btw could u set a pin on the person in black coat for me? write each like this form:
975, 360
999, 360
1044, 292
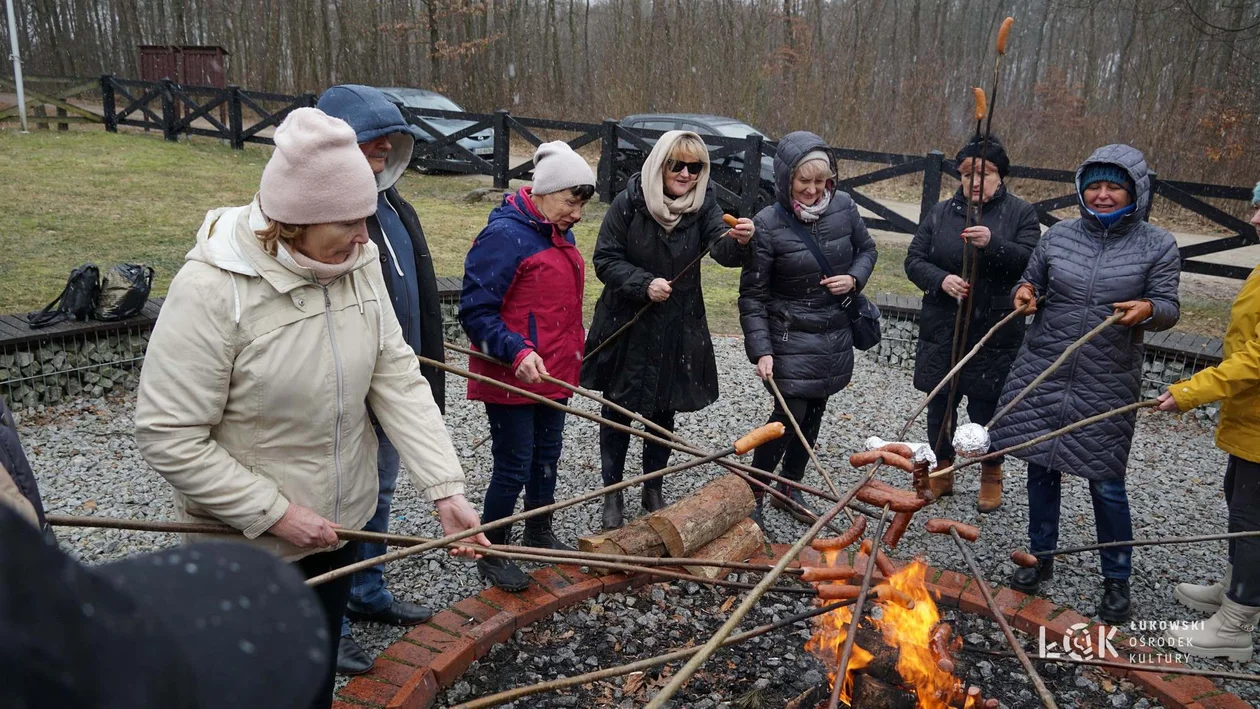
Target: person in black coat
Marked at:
648, 251
1003, 238
790, 308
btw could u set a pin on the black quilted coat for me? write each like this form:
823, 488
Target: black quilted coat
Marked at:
936, 252
665, 361
783, 310
1083, 269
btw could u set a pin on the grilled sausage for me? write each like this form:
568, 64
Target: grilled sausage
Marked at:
941, 526
845, 540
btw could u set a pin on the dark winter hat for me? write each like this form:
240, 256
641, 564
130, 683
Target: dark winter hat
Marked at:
1107, 172
201, 626
995, 154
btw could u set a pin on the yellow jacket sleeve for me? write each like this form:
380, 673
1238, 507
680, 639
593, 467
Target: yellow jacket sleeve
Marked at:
1235, 374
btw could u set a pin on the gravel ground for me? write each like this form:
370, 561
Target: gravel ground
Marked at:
85, 457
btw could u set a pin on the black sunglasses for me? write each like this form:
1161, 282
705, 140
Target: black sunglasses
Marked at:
678, 165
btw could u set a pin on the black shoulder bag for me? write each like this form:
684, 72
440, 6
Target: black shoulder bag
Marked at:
863, 314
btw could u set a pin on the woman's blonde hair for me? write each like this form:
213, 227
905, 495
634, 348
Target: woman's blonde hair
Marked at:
814, 169
274, 232
689, 147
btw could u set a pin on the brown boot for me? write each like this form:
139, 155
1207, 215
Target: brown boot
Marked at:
944, 485
990, 498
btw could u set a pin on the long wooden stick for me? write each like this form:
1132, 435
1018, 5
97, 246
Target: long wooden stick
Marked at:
744, 471
1129, 667
1164, 541
1067, 353
1042, 691
577, 680
754, 595
856, 616
578, 558
758, 436
958, 367
800, 436
1047, 436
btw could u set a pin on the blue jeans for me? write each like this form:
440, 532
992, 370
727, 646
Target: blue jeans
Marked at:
367, 590
1111, 517
525, 441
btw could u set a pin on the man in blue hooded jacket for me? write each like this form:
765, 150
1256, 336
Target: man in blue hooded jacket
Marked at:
386, 140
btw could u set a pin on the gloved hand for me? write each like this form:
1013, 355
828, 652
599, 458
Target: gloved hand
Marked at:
1135, 311
1026, 297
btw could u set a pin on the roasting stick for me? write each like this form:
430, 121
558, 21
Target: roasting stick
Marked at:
1164, 541
639, 665
636, 565
856, 616
962, 363
748, 442
736, 467
1046, 697
1126, 666
1048, 436
796, 427
1067, 353
754, 595
730, 221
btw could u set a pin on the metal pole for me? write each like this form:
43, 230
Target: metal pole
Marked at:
16, 56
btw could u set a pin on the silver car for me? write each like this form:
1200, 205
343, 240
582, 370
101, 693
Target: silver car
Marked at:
480, 143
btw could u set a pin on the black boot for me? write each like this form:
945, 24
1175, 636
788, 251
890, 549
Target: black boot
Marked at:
614, 517
538, 531
1028, 580
502, 573
797, 510
1115, 607
653, 500
755, 515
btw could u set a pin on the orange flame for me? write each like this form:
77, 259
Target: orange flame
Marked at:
907, 630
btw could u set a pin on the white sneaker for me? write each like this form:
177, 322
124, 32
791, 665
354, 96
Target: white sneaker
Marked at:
1226, 634
1206, 599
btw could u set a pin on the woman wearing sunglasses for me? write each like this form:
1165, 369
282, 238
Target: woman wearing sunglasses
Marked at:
650, 244
811, 252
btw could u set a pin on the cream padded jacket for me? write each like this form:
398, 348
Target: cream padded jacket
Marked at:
256, 386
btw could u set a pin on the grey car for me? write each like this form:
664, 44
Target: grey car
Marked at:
726, 171
480, 143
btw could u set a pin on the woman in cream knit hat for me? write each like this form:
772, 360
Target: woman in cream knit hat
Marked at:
274, 339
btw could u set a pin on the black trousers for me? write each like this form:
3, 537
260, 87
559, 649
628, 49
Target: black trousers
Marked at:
333, 596
1242, 496
808, 414
614, 444
978, 410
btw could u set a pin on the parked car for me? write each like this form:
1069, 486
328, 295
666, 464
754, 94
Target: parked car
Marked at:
725, 171
480, 143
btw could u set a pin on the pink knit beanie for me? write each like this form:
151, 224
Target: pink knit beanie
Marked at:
317, 173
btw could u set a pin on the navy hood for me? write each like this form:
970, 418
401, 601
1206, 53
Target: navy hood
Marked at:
793, 147
372, 115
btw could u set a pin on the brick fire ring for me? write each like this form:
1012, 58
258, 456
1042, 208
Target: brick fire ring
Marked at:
427, 660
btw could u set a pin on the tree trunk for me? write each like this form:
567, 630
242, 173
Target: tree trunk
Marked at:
739, 543
635, 539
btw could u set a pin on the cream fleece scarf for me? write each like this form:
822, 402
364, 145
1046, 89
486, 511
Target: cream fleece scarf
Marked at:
322, 273
666, 210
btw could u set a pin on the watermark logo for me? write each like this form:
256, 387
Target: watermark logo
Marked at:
1081, 642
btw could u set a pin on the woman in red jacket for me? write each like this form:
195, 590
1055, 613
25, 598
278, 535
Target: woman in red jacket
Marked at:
522, 303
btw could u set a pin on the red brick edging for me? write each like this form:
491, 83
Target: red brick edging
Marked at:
429, 658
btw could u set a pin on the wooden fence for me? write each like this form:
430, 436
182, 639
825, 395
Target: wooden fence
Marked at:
242, 116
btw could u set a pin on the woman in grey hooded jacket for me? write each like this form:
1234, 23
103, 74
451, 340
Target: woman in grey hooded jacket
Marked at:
1109, 260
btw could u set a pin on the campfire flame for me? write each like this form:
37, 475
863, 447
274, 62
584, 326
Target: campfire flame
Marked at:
907, 630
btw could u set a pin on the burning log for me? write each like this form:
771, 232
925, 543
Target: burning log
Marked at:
699, 518
872, 693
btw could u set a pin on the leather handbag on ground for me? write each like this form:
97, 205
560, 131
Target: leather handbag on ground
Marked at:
124, 291
863, 314
78, 299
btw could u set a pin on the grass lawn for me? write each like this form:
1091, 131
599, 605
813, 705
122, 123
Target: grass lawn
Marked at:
109, 198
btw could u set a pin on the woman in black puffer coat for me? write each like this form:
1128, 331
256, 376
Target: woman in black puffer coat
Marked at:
795, 328
649, 242
1004, 238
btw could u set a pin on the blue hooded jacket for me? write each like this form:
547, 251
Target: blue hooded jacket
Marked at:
395, 228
